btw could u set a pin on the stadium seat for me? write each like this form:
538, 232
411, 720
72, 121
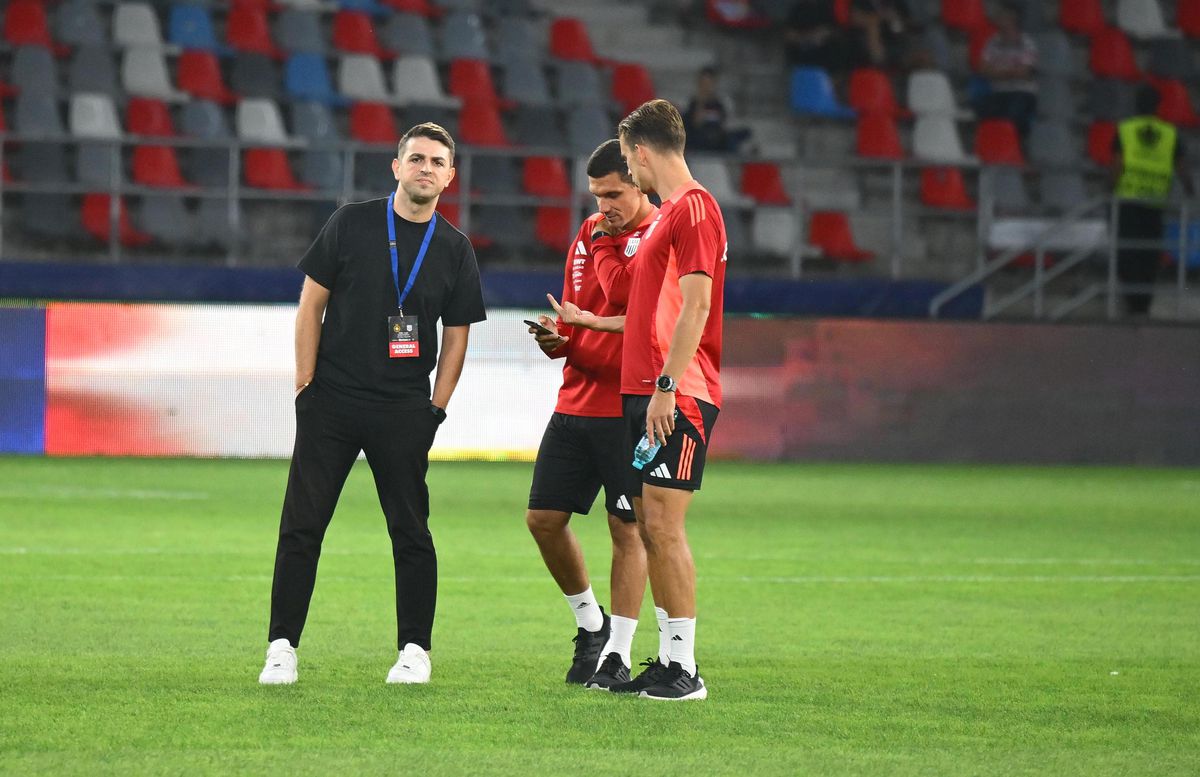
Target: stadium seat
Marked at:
97, 166
462, 37
587, 127
714, 172
268, 168
354, 33
190, 27
1055, 55
762, 182
25, 24
360, 77
1008, 190
417, 7
144, 74
1175, 104
518, 40
1055, 98
97, 221
299, 32
34, 70
306, 77
538, 126
963, 15
41, 163
1187, 16
315, 123
42, 216
871, 92
37, 114
199, 75
373, 123
495, 175
830, 232
149, 117
775, 231
480, 124
996, 143
554, 227
322, 169
214, 225
94, 116
579, 84
1082, 17
471, 79
259, 121
631, 86
1052, 144
506, 226
977, 40
841, 12
525, 83
207, 166
812, 94
943, 187
937, 44
569, 41
1100, 142
1141, 18
936, 138
255, 75
1111, 56
1107, 99
930, 94
1062, 190
78, 23
166, 219
878, 138
370, 7
247, 30
136, 24
1172, 58
449, 211
545, 176
407, 34
157, 166
416, 81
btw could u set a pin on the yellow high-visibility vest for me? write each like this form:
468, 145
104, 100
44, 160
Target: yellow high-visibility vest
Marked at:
1148, 152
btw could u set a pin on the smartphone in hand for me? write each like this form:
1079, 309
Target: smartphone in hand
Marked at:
541, 330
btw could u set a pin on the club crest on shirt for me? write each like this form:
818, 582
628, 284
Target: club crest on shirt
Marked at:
632, 246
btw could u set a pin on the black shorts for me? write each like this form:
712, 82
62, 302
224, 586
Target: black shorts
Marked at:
679, 463
579, 454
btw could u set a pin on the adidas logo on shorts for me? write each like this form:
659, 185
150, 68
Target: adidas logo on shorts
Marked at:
661, 471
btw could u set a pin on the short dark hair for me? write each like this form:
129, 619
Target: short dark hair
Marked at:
607, 159
656, 124
428, 130
1147, 99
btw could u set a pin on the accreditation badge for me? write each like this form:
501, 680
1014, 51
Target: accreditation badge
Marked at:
403, 339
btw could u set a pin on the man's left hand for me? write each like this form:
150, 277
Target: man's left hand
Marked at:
660, 415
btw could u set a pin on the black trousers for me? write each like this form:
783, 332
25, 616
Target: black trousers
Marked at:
1138, 265
330, 432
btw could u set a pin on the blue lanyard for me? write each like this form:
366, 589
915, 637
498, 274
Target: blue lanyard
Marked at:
416, 268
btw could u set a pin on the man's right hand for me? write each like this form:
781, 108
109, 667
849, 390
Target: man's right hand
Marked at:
548, 342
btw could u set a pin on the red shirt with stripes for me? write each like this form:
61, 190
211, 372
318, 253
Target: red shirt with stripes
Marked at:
592, 374
688, 236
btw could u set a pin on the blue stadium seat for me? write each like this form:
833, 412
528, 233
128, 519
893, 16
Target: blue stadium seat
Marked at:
306, 77
190, 27
812, 94
368, 6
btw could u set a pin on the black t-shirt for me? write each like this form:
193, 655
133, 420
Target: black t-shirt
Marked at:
350, 258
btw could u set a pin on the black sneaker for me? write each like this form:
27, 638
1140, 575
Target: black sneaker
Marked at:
588, 645
675, 684
649, 676
612, 672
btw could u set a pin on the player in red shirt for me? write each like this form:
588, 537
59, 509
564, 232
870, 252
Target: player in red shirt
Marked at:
583, 446
670, 374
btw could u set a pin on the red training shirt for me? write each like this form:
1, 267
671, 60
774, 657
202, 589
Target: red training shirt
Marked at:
592, 375
688, 236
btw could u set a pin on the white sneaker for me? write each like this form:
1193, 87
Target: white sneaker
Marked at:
411, 667
281, 664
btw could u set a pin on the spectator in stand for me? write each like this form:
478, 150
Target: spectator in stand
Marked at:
1008, 60
706, 119
813, 38
879, 33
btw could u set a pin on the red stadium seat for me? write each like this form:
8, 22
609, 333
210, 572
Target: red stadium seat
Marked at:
246, 29
96, 222
1187, 16
479, 123
1111, 56
25, 24
553, 227
830, 231
354, 32
146, 116
996, 143
373, 123
762, 181
841, 11
569, 40
942, 187
965, 15
268, 168
418, 7
545, 176
977, 40
1082, 17
878, 137
631, 85
158, 166
448, 211
871, 91
1175, 104
1100, 142
200, 76
471, 79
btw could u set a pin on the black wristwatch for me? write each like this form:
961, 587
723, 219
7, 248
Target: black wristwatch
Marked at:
665, 383
439, 414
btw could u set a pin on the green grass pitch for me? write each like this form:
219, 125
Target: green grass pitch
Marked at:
854, 619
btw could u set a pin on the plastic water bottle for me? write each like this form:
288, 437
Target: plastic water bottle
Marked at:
643, 452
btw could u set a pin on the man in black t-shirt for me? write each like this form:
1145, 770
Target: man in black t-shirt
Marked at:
379, 277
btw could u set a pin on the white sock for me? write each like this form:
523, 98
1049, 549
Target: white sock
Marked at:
664, 636
620, 638
587, 612
683, 642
